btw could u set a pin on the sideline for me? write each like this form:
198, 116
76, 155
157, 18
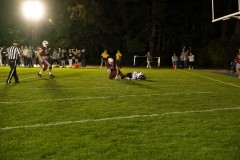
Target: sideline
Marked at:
226, 83
103, 97
116, 118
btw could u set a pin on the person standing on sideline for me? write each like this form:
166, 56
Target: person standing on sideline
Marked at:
118, 58
104, 58
174, 61
14, 53
1, 56
70, 56
4, 54
30, 57
55, 58
191, 60
149, 59
237, 59
45, 59
84, 58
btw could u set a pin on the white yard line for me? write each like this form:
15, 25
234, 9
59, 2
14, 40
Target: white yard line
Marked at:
116, 118
102, 97
72, 88
216, 80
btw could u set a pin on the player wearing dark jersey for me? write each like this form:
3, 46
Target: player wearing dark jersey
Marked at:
45, 59
114, 70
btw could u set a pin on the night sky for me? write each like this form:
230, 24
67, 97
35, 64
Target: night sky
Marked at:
178, 23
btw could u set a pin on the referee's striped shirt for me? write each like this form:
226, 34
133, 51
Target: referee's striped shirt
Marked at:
13, 52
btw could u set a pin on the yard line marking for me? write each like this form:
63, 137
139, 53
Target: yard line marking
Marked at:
74, 88
103, 97
115, 118
231, 84
71, 88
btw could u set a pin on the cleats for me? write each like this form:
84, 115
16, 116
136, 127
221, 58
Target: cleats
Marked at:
39, 75
51, 76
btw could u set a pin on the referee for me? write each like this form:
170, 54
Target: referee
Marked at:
13, 54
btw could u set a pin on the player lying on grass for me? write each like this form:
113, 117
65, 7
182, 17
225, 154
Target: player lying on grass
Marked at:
114, 70
135, 76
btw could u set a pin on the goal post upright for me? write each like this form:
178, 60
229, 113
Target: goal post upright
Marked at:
213, 10
239, 5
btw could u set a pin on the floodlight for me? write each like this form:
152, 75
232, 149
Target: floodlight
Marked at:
33, 9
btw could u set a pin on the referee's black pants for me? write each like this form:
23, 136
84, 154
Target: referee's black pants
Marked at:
13, 71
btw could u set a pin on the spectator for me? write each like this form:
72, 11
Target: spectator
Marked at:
79, 57
4, 56
191, 60
174, 61
29, 57
24, 56
76, 58
70, 56
184, 57
63, 57
1, 56
55, 58
73, 58
83, 58
237, 59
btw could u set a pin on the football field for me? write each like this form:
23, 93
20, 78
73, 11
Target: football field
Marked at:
81, 114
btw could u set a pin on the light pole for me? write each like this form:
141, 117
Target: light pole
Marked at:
33, 10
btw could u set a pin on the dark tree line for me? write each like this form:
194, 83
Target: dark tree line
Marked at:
133, 26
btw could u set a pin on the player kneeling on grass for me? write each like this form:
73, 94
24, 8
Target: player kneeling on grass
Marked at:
114, 70
135, 76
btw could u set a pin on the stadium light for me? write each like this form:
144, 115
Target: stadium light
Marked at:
33, 10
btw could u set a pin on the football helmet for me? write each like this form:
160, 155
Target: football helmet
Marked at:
45, 43
110, 60
142, 77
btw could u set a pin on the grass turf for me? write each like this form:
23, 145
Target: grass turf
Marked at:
174, 114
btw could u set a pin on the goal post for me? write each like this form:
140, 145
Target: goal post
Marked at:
136, 56
232, 15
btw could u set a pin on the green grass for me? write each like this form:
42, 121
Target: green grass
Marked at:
174, 114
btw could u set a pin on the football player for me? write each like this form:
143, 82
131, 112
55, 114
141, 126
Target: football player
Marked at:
45, 59
135, 76
114, 70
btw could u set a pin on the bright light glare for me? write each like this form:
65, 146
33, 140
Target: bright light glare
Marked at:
33, 9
